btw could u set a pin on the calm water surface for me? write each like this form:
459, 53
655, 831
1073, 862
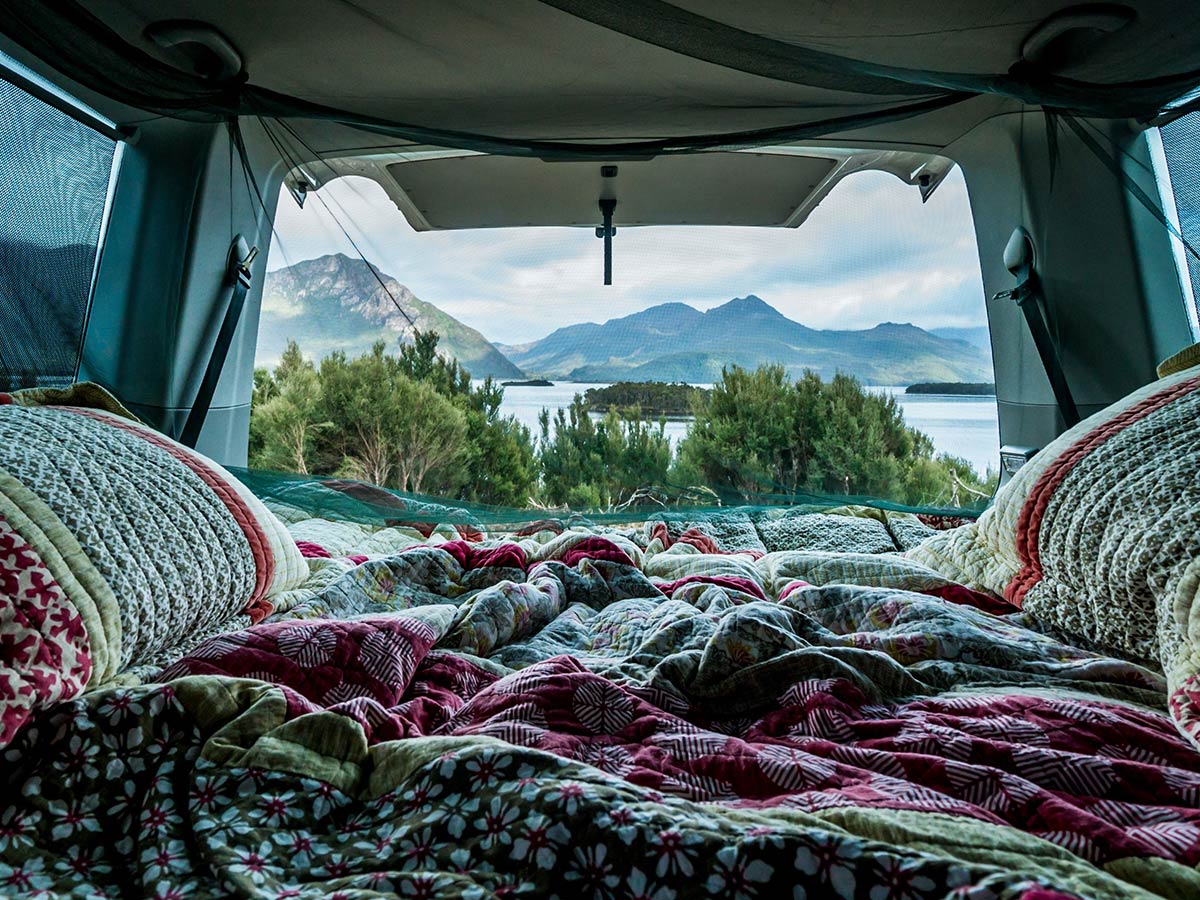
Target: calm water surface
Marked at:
963, 426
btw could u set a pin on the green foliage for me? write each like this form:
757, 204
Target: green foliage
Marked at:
653, 398
414, 421
392, 429
743, 433
420, 361
411, 421
286, 417
589, 464
759, 433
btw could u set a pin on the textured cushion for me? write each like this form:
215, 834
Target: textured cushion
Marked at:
732, 531
1099, 534
148, 544
790, 530
908, 531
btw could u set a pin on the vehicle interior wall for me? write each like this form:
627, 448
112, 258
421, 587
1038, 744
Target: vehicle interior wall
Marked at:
181, 199
1106, 265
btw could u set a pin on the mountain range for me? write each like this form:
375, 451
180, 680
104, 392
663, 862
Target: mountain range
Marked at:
677, 342
336, 303
977, 335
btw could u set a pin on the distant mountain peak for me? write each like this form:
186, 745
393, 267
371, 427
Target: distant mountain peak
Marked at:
751, 302
676, 342
337, 302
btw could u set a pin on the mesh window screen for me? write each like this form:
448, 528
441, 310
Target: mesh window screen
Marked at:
54, 178
1181, 146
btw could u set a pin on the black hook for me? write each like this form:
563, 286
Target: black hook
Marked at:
606, 231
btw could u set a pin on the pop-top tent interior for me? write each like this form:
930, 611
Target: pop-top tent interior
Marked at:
606, 115
616, 449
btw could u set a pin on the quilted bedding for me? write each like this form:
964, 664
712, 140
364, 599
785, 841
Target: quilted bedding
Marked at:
651, 712
116, 545
1100, 535
196, 701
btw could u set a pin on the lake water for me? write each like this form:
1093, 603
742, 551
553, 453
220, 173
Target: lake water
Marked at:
963, 426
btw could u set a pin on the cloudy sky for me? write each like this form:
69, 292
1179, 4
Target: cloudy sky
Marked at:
870, 253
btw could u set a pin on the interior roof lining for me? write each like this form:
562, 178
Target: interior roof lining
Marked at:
469, 75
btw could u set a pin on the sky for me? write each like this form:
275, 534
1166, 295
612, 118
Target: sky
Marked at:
870, 253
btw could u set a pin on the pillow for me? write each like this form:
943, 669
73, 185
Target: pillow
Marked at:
796, 530
732, 531
1099, 534
144, 543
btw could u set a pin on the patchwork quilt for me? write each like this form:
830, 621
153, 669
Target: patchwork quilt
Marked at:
657, 711
1099, 535
117, 545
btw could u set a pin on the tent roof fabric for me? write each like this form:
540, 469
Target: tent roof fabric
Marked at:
578, 72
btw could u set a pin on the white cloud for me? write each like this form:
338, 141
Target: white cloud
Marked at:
871, 252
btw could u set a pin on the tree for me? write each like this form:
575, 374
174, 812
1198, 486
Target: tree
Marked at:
637, 453
499, 465
285, 419
744, 436
572, 461
588, 464
389, 428
419, 360
412, 421
757, 433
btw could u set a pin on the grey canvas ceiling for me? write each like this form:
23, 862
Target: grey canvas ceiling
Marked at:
528, 69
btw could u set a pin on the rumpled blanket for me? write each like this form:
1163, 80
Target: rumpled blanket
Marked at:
613, 714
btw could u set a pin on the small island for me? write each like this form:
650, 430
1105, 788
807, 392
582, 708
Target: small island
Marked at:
653, 398
961, 388
533, 382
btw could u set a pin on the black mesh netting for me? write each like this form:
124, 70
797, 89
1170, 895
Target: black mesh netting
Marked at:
1181, 146
296, 497
54, 176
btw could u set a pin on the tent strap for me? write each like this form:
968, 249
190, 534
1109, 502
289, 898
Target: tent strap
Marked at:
237, 284
1028, 296
1132, 188
681, 31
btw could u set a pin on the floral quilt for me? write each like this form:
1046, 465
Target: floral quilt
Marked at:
656, 712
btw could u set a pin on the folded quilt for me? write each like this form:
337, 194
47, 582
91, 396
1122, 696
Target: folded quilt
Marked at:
117, 546
1099, 535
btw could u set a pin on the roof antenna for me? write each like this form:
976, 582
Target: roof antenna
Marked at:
606, 231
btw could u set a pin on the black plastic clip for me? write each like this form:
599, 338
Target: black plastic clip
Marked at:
606, 231
240, 268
